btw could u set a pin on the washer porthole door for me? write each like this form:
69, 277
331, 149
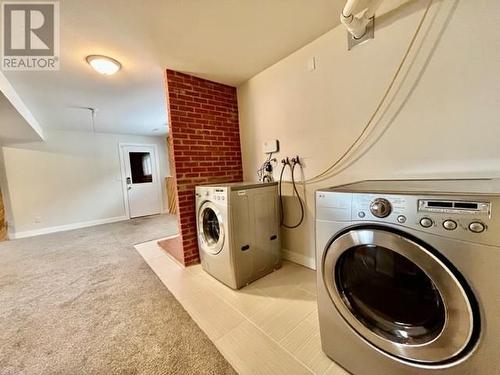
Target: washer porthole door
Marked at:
210, 228
398, 295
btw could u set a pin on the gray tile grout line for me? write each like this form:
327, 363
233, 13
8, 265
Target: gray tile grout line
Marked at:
191, 276
272, 339
333, 364
297, 326
250, 321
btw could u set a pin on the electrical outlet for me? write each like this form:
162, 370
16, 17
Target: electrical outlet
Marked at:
38, 219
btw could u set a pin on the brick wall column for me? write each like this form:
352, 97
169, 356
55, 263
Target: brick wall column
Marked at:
205, 146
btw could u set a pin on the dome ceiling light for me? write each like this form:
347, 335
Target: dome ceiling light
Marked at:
103, 64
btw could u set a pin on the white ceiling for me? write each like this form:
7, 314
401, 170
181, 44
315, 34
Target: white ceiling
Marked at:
228, 41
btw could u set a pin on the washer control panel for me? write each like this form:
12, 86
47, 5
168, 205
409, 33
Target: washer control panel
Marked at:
390, 208
454, 214
458, 218
467, 217
219, 194
214, 194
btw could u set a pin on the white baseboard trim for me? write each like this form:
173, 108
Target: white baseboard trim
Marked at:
62, 228
303, 260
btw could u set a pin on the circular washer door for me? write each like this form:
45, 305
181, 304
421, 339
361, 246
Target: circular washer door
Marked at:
398, 296
210, 228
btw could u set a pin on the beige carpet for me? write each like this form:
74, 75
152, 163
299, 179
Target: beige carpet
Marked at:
85, 302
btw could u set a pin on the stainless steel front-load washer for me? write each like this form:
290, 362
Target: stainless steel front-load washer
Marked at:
409, 276
238, 231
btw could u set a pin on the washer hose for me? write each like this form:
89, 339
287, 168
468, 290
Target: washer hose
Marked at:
282, 209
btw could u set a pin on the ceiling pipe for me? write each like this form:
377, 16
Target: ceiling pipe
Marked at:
356, 25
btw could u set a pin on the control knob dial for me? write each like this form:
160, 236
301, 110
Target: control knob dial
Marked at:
477, 227
381, 207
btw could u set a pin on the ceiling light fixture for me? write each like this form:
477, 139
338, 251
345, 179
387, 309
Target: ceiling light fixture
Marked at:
103, 64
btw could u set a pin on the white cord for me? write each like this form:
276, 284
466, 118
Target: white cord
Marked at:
330, 171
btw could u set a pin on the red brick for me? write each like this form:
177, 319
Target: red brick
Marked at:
206, 144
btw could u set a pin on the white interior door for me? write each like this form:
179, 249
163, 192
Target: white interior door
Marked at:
142, 180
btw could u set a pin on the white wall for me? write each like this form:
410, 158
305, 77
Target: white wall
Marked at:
442, 122
70, 180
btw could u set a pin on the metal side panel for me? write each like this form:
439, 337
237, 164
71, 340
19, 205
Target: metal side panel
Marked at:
266, 223
243, 235
256, 238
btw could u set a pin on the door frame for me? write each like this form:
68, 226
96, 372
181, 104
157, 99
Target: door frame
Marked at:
121, 147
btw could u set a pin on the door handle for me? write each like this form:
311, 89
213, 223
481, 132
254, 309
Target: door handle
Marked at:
129, 180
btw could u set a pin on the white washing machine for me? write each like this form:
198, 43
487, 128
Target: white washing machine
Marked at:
238, 231
409, 276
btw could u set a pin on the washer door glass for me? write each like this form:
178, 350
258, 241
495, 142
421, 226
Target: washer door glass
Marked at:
397, 295
390, 294
211, 229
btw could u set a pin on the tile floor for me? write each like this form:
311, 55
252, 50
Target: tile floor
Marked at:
268, 327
